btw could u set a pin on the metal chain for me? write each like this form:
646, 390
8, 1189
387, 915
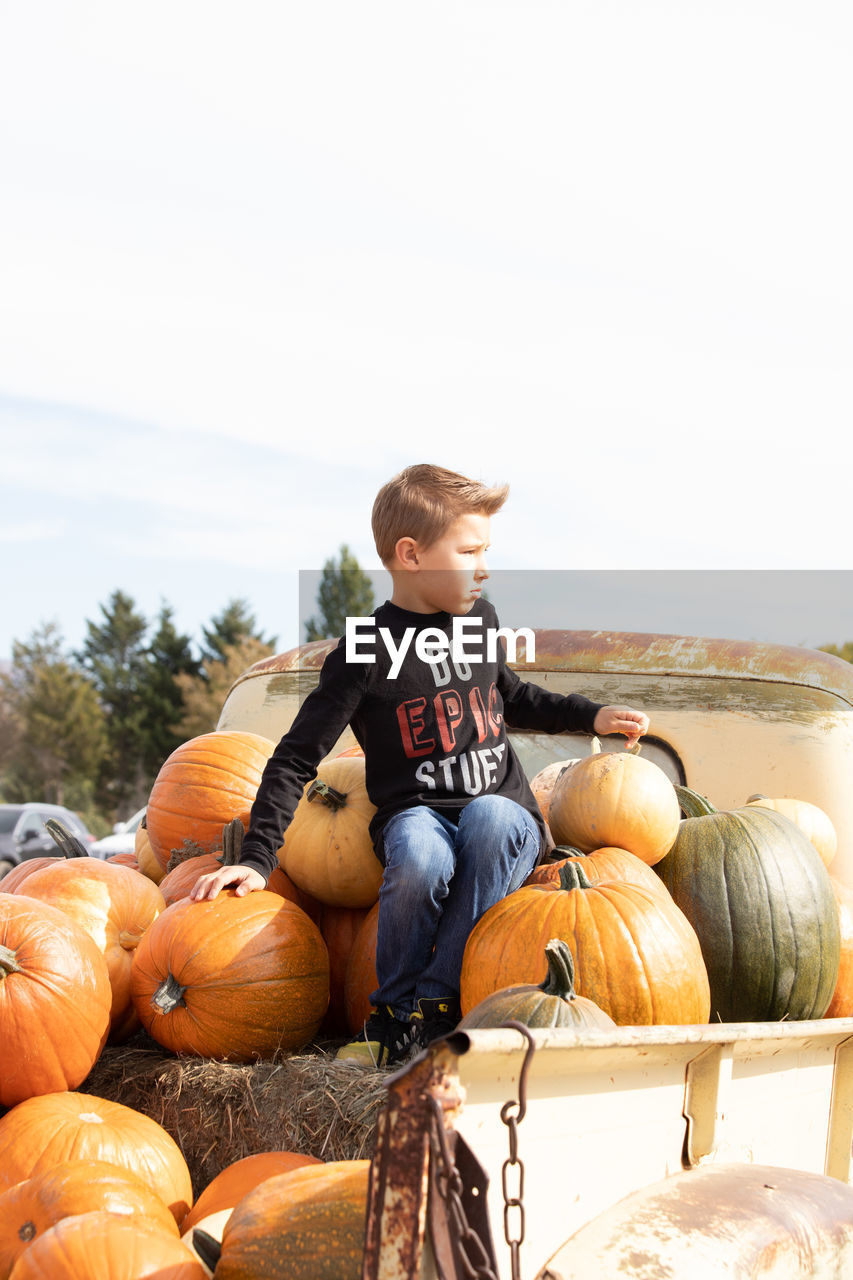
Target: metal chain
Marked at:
512, 1113
473, 1256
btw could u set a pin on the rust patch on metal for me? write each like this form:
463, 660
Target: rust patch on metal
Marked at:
305, 657
399, 1172
639, 653
634, 653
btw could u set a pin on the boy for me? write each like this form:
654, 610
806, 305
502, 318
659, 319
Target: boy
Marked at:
456, 827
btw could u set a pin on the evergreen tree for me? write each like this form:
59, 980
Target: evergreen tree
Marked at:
168, 656
114, 655
345, 591
56, 726
204, 695
234, 625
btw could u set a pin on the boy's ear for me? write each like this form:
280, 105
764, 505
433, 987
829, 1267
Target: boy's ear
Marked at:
406, 554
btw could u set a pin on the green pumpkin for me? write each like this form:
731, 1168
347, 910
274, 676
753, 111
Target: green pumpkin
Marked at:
554, 1003
761, 901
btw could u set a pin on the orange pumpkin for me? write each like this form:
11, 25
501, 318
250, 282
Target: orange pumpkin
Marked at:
636, 955
307, 1222
233, 977
40, 1133
55, 1000
32, 1207
812, 821
841, 1004
185, 867
15, 878
238, 1179
618, 800
96, 1245
600, 865
147, 862
114, 905
124, 860
203, 785
360, 980
327, 849
339, 927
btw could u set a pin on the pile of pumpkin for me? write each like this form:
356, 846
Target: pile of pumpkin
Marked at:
641, 916
728, 916
89, 950
91, 1189
236, 978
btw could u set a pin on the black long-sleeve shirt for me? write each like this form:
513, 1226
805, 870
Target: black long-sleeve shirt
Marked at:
432, 734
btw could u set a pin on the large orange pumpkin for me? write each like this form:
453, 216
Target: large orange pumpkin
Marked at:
309, 1222
55, 1000
636, 955
615, 799
238, 1179
114, 905
41, 1132
203, 785
327, 850
233, 977
32, 1207
186, 865
97, 1245
13, 879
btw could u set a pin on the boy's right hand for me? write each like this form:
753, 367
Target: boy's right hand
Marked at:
241, 879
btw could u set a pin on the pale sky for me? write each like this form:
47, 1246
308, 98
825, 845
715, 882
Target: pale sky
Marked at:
256, 258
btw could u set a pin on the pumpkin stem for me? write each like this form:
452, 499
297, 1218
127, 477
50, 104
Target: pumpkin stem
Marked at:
758, 796
232, 843
68, 843
561, 970
8, 963
207, 1247
573, 876
169, 995
320, 790
595, 746
693, 805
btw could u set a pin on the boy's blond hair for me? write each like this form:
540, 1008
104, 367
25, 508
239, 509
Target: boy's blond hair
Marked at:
423, 501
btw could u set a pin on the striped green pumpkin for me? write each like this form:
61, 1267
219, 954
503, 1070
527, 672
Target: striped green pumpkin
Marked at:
761, 902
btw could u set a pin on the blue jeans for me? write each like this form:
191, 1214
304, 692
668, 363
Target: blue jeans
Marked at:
441, 875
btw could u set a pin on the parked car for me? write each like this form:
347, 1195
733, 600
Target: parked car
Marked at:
122, 840
23, 834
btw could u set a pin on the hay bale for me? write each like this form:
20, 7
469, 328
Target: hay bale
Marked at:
218, 1112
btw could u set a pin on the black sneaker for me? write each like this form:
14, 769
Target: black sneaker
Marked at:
435, 1018
384, 1040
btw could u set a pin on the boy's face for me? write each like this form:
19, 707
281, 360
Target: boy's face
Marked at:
448, 575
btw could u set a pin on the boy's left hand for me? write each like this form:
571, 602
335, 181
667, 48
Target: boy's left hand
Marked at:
622, 720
